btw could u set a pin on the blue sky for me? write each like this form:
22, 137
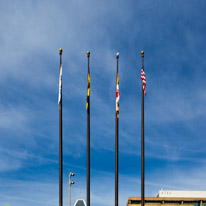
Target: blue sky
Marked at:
172, 34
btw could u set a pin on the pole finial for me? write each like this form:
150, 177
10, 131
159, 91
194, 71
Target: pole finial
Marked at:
142, 53
117, 55
60, 51
88, 53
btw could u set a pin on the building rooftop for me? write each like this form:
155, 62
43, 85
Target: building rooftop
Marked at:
172, 198
176, 193
80, 202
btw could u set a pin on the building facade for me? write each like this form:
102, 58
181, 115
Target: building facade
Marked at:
172, 198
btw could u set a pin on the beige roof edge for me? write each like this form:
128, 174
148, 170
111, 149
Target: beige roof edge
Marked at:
168, 198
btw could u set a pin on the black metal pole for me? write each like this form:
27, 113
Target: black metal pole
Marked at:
88, 135
142, 140
60, 137
117, 142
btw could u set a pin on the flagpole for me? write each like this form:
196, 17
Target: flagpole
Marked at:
116, 145
88, 137
60, 139
142, 143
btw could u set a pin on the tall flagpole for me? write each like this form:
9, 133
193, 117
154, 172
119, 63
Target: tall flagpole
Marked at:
60, 131
142, 140
88, 133
117, 135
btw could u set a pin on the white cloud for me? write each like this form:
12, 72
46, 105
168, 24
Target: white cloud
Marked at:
31, 36
12, 118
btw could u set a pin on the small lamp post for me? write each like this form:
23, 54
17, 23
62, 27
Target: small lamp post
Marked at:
70, 183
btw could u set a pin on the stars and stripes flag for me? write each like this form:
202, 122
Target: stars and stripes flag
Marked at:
60, 85
143, 81
117, 96
88, 91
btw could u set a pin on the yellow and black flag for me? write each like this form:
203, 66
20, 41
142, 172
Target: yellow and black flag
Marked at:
88, 91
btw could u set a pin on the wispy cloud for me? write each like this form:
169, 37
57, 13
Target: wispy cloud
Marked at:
171, 34
12, 118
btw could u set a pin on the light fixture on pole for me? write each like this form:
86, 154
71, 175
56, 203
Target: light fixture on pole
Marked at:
70, 183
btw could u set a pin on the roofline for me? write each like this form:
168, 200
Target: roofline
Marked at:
169, 198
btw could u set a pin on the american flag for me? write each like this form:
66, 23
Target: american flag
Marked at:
143, 81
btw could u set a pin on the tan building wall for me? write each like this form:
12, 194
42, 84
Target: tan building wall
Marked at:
166, 201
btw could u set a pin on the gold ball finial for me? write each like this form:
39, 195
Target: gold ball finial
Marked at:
88, 53
60, 51
142, 53
117, 54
